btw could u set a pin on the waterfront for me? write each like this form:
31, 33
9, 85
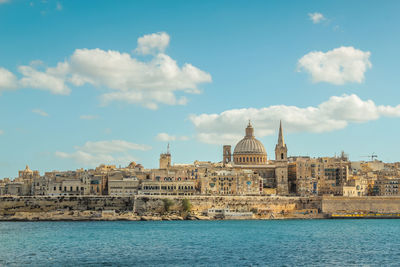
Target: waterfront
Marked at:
291, 242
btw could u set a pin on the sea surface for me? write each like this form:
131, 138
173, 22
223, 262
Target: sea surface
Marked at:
201, 243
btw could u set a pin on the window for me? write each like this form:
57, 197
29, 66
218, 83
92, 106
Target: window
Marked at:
281, 155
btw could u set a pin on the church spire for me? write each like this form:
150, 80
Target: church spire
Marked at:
280, 148
281, 141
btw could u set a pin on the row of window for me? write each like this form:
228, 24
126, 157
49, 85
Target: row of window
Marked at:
251, 159
172, 187
65, 188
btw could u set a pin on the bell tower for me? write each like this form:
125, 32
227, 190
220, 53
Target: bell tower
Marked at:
165, 159
227, 155
280, 148
281, 164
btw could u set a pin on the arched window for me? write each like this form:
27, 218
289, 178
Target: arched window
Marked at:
281, 155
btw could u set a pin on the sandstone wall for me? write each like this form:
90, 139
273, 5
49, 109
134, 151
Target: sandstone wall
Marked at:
360, 204
156, 204
10, 205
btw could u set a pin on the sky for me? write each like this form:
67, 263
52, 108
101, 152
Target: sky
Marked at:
84, 83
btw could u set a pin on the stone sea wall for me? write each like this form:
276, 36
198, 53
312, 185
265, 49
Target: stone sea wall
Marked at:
360, 204
173, 207
97, 207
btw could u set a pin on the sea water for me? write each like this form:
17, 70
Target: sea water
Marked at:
204, 243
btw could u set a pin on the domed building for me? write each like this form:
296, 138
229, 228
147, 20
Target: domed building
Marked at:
249, 150
250, 153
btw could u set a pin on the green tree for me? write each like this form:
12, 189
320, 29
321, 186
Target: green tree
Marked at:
167, 204
186, 205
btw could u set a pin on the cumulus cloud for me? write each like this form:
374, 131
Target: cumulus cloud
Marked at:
88, 117
52, 79
103, 152
316, 17
119, 75
333, 114
40, 112
338, 66
152, 43
8, 81
164, 137
133, 81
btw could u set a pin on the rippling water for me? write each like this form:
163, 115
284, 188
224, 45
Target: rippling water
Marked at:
231, 243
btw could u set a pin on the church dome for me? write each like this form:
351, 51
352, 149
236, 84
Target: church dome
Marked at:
249, 145
249, 150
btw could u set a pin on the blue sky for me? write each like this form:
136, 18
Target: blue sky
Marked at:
85, 82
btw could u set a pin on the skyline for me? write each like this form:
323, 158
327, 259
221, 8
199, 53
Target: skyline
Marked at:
85, 85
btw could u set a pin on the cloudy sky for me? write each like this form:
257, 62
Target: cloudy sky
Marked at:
83, 83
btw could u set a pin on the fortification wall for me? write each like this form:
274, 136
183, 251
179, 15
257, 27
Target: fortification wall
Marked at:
10, 205
156, 204
360, 204
267, 204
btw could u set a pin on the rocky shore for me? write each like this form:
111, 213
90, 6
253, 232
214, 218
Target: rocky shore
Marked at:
96, 216
131, 216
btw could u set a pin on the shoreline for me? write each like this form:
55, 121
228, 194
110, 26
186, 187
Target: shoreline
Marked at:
169, 208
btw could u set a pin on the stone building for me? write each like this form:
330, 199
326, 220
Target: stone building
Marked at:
318, 176
26, 177
73, 187
358, 187
182, 188
387, 187
232, 182
126, 187
250, 153
40, 186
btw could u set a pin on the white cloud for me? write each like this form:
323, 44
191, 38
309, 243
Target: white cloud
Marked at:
88, 117
119, 75
334, 114
133, 81
8, 81
338, 66
40, 112
52, 79
164, 137
316, 17
1, 132
4, 1
106, 152
152, 43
